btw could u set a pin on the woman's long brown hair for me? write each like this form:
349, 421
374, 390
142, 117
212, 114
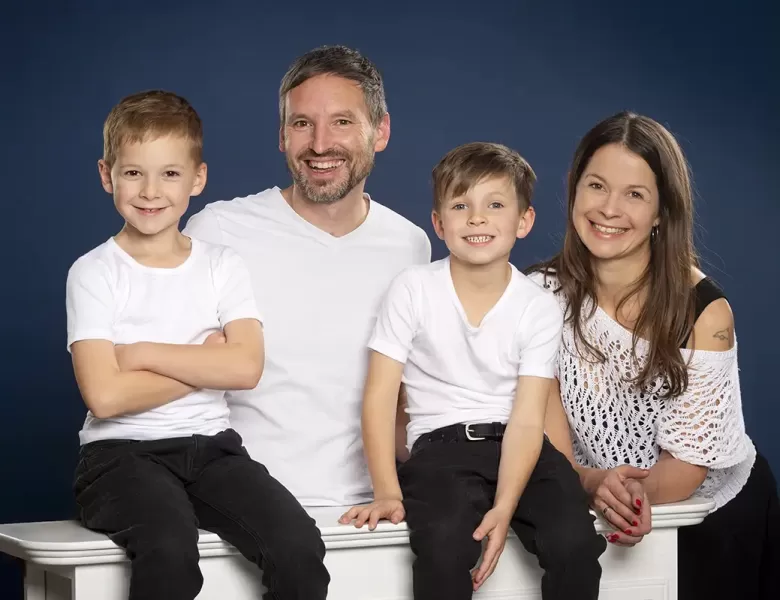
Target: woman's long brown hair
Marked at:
667, 313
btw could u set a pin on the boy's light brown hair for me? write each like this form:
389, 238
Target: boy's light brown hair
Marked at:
150, 115
465, 166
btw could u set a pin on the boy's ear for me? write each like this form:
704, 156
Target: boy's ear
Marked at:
201, 175
526, 222
105, 176
437, 225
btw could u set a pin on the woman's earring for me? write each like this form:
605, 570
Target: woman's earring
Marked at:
654, 234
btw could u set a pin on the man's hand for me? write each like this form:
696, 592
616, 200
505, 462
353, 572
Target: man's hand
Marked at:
494, 526
391, 509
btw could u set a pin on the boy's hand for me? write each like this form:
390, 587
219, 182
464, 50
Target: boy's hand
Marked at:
127, 356
391, 509
218, 337
495, 525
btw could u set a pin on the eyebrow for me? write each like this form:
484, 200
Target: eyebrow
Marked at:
633, 185
348, 114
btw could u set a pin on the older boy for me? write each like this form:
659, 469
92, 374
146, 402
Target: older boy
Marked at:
146, 311
475, 342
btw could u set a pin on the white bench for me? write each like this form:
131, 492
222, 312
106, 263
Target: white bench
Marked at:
64, 561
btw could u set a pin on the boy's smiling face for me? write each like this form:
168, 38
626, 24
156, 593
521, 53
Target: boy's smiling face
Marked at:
152, 181
481, 226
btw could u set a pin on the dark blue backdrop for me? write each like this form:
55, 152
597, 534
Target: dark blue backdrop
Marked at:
532, 75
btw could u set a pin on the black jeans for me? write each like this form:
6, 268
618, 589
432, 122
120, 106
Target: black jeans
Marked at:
449, 486
150, 497
735, 551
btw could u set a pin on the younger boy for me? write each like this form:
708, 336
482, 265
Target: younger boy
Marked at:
475, 342
146, 314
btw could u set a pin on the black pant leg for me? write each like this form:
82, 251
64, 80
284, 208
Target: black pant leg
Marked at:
238, 499
735, 551
143, 507
445, 501
553, 522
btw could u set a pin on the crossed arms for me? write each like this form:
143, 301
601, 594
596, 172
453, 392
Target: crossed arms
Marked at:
132, 378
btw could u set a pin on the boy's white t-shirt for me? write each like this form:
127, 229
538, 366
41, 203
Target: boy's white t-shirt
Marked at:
455, 372
320, 295
110, 296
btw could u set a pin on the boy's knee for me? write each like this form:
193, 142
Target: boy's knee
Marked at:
299, 545
565, 545
446, 547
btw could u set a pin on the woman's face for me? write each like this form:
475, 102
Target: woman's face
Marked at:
616, 204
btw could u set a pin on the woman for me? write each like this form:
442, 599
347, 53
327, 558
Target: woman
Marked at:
648, 371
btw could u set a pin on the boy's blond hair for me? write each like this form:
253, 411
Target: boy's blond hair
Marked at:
465, 166
149, 115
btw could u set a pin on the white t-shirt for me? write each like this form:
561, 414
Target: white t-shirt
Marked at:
455, 372
110, 296
320, 295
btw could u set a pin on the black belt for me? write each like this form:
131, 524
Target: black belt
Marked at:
462, 432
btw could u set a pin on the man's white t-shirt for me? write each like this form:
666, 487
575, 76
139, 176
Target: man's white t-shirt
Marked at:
320, 295
455, 372
110, 296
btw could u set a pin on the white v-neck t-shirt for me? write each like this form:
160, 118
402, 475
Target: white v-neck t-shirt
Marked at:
320, 295
456, 372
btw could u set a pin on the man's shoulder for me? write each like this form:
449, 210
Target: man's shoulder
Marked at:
391, 221
241, 204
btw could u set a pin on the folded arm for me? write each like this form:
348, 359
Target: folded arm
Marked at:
235, 365
109, 392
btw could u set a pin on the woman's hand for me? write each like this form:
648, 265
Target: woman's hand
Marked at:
619, 496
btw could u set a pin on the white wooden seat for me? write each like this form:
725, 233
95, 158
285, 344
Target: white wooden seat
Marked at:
64, 561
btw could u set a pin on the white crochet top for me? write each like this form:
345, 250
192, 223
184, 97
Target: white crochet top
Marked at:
613, 422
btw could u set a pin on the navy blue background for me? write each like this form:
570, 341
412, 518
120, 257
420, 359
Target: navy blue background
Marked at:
532, 75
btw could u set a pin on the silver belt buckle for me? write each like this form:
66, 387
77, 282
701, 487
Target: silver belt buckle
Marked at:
470, 436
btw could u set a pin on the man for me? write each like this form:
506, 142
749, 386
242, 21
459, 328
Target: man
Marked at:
321, 254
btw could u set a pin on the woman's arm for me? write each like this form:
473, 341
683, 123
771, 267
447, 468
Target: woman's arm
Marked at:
672, 479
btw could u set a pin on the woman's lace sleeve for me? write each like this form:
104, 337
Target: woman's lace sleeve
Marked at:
704, 426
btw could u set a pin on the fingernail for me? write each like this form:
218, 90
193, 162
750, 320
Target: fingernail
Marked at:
613, 538
638, 502
634, 523
627, 532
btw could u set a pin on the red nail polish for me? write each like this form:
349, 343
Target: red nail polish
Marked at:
634, 523
638, 502
627, 532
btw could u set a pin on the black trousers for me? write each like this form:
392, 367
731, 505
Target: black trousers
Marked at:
448, 486
735, 551
150, 497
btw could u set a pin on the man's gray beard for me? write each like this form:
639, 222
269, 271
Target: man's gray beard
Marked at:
326, 194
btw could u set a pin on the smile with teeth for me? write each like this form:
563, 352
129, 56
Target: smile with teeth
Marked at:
478, 239
608, 230
324, 165
149, 211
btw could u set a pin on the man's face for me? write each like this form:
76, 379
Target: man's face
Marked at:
328, 138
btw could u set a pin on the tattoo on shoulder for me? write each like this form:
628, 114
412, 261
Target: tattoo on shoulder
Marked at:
723, 335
